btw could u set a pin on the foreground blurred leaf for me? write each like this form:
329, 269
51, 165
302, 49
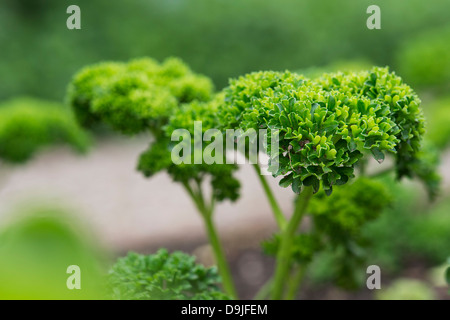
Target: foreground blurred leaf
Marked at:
35, 253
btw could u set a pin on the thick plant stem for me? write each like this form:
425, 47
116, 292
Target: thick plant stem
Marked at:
295, 282
207, 213
362, 167
279, 217
222, 263
284, 253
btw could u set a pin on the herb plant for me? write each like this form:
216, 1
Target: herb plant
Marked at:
163, 276
28, 125
328, 130
146, 96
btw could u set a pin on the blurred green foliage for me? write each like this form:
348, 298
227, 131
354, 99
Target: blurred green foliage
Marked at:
345, 66
341, 216
424, 167
35, 252
336, 243
438, 118
219, 38
163, 276
340, 220
424, 60
28, 125
410, 229
406, 289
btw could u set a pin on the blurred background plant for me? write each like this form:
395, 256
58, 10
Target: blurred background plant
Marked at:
29, 125
218, 38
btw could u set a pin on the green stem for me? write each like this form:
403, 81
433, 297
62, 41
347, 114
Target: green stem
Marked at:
284, 254
222, 263
279, 217
200, 193
191, 193
207, 213
362, 166
295, 282
264, 291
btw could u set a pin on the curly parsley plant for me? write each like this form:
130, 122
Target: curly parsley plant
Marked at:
146, 96
326, 128
163, 276
28, 125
